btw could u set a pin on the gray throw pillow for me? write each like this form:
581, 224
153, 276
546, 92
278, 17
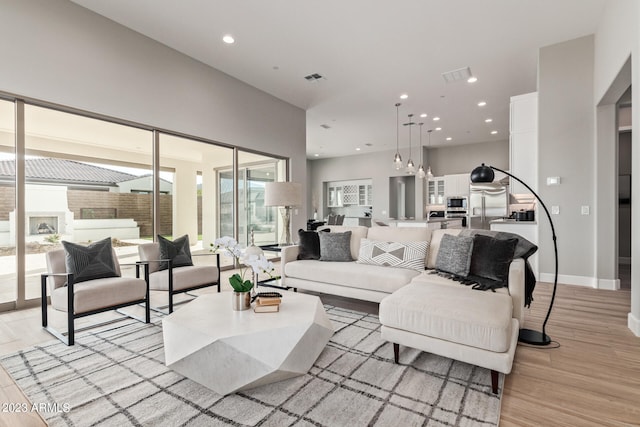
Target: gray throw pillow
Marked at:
335, 246
177, 251
94, 261
454, 255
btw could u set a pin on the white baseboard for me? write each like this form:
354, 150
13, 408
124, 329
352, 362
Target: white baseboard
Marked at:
590, 282
624, 260
567, 279
609, 284
634, 324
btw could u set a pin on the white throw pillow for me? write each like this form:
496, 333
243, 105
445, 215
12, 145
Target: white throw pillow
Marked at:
409, 255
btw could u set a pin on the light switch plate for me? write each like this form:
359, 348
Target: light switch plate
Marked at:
553, 180
584, 210
555, 210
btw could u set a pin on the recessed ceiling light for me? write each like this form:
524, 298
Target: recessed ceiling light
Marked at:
438, 128
423, 115
357, 148
228, 39
472, 79
482, 103
493, 132
435, 119
449, 138
316, 155
488, 120
404, 96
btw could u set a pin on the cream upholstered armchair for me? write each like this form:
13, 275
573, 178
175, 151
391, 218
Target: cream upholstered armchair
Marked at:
81, 293
167, 273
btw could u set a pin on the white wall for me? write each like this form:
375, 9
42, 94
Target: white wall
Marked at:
617, 38
566, 121
454, 159
59, 52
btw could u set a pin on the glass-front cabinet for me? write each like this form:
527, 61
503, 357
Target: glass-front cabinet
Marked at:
335, 196
435, 191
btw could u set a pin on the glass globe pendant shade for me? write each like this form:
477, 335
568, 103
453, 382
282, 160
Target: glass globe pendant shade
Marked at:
421, 172
429, 173
411, 168
397, 162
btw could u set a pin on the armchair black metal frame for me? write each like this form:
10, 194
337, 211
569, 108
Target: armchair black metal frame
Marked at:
68, 338
186, 291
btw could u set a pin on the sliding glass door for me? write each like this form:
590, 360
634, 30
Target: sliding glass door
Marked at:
254, 170
8, 266
84, 178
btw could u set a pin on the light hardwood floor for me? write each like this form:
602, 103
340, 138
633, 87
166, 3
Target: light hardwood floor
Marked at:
592, 379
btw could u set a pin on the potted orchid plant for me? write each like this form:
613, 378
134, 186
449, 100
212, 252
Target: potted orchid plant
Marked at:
248, 258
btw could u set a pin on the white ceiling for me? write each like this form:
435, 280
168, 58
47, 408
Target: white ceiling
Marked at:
370, 52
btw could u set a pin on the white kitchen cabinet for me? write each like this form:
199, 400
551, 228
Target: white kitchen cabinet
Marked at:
456, 185
364, 195
435, 191
350, 194
335, 196
523, 142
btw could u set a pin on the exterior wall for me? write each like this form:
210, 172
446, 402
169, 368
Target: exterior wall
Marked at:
127, 205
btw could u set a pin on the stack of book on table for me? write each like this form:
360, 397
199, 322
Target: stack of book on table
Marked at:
267, 303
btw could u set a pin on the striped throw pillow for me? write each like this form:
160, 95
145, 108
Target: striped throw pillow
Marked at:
409, 255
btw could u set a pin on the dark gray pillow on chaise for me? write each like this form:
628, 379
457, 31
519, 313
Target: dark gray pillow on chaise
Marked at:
94, 261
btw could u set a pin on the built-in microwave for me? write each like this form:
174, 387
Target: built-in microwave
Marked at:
457, 203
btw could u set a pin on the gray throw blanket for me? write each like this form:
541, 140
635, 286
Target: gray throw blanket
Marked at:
524, 249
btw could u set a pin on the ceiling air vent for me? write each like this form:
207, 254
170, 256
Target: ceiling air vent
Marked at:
313, 77
325, 126
457, 75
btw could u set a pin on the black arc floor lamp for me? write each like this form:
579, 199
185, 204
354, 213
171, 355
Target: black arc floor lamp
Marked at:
485, 174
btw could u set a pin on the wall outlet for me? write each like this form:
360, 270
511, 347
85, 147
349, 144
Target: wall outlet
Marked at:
555, 210
584, 210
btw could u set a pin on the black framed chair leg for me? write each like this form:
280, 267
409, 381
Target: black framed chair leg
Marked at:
147, 308
70, 313
43, 300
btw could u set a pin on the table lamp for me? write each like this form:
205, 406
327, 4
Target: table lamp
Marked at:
284, 195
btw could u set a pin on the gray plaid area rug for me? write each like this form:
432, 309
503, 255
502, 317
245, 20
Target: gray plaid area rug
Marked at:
116, 377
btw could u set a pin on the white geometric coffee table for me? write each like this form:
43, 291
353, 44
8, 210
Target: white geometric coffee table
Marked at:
228, 350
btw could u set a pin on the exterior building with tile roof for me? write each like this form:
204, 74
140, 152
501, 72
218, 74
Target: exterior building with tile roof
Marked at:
79, 175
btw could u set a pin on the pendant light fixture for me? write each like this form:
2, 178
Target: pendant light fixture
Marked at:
429, 173
411, 168
421, 172
397, 160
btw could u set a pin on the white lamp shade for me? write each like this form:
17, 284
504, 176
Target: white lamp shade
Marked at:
282, 194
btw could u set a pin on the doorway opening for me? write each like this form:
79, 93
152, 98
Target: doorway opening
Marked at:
624, 189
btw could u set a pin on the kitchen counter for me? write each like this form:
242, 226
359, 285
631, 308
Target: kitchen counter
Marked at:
511, 221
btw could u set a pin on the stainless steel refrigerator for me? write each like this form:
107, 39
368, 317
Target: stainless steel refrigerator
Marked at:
487, 201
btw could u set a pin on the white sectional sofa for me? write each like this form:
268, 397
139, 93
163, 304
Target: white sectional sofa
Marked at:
418, 309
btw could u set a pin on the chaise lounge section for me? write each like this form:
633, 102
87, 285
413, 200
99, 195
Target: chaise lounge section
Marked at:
420, 309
